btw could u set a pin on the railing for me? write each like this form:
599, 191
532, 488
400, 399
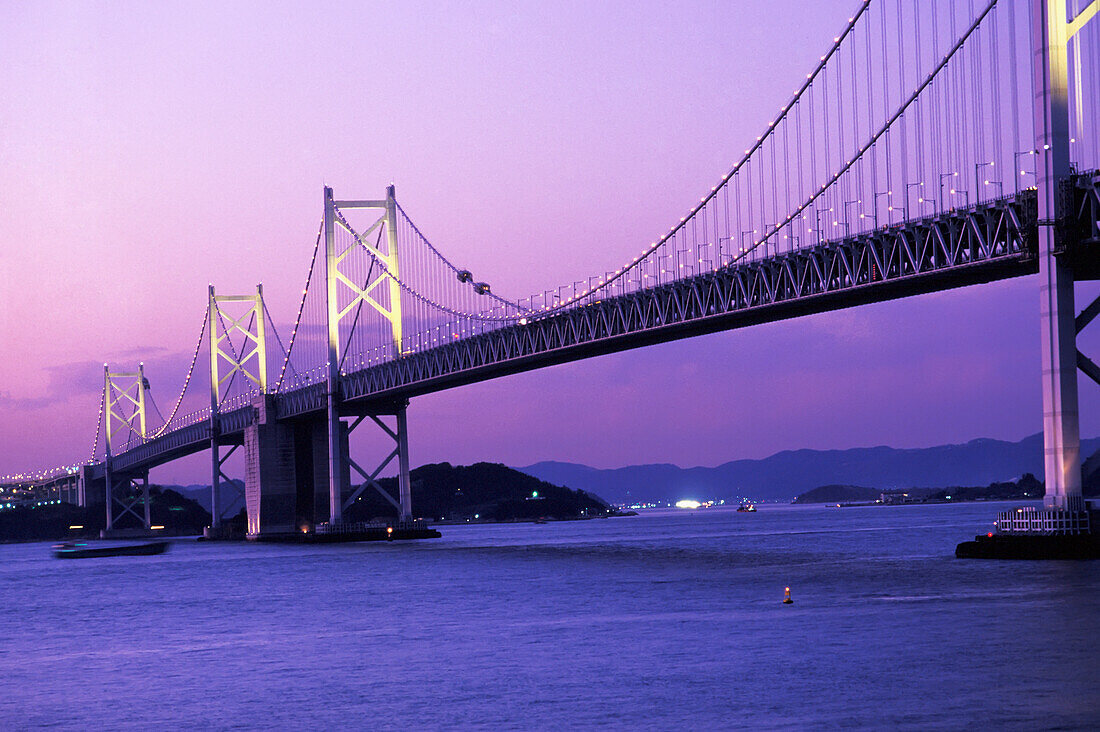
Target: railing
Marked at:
182, 439
43, 476
1043, 521
983, 242
361, 527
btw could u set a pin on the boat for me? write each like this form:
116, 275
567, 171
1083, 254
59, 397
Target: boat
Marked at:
746, 508
81, 550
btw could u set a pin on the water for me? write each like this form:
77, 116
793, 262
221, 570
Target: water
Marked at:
641, 623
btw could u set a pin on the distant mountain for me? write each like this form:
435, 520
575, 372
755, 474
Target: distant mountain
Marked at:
837, 493
787, 474
229, 493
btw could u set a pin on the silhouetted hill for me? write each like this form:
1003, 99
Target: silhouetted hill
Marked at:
787, 474
488, 490
1028, 486
176, 513
838, 494
230, 492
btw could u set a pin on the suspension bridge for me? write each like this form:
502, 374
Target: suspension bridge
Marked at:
934, 146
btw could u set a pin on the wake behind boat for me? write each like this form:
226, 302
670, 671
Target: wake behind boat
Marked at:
82, 550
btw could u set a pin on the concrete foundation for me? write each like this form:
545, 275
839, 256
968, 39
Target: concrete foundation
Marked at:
286, 474
269, 478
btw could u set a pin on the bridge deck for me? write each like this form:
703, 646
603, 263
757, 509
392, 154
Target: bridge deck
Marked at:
991, 241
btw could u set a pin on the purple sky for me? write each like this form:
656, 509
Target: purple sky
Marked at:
147, 149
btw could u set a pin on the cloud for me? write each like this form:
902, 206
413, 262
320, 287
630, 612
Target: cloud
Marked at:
7, 401
84, 379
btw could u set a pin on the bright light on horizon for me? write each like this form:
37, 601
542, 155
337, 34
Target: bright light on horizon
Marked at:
688, 503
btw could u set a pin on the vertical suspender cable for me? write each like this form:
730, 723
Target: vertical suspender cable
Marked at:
841, 146
995, 102
787, 173
855, 120
886, 109
918, 116
798, 154
871, 125
901, 91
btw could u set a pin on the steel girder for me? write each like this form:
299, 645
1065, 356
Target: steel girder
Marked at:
981, 243
180, 442
1083, 223
994, 240
1086, 213
301, 401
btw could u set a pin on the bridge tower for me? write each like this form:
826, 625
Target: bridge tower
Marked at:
1052, 30
389, 306
123, 406
250, 324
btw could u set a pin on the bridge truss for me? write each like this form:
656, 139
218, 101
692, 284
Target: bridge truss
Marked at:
935, 145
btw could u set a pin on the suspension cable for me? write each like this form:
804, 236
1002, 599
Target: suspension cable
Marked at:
416, 293
882, 131
612, 277
274, 330
784, 111
153, 401
190, 371
99, 422
453, 268
301, 308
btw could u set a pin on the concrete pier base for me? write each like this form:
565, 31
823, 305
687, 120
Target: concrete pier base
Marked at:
1023, 546
286, 474
288, 492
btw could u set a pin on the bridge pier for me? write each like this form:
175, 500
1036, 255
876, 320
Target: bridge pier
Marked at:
250, 362
387, 303
399, 433
1061, 529
1061, 426
84, 480
1052, 30
123, 406
286, 473
136, 491
270, 473
287, 483
1061, 431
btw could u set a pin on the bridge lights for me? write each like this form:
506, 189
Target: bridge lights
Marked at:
1016, 163
977, 177
943, 177
885, 194
919, 184
847, 204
